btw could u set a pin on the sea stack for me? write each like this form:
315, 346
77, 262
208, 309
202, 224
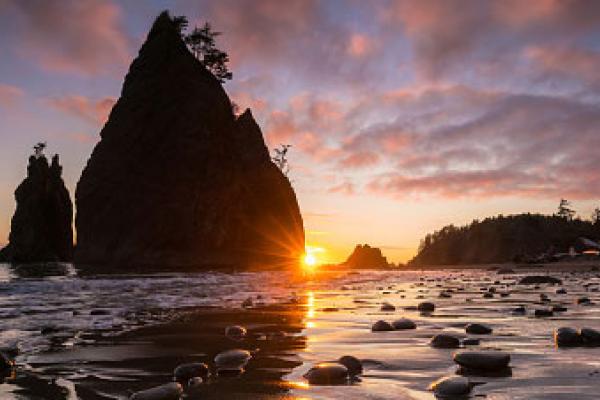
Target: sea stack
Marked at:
41, 228
177, 180
365, 256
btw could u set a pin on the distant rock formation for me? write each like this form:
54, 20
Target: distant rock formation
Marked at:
177, 180
41, 228
365, 256
512, 238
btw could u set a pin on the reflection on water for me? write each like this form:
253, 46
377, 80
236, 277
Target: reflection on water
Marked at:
104, 334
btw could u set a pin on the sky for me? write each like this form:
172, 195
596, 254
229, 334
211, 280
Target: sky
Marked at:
403, 116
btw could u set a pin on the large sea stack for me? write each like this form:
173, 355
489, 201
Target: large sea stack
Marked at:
177, 180
41, 228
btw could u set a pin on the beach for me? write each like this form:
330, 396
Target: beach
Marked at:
293, 324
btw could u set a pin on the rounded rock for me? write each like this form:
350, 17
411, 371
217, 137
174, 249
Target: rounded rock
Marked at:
567, 337
169, 391
470, 342
185, 372
404, 323
445, 341
482, 361
590, 336
235, 332
382, 326
426, 307
478, 329
538, 279
388, 307
233, 359
543, 313
352, 364
451, 386
327, 374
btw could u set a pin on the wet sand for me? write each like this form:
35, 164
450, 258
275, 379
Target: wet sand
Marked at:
332, 316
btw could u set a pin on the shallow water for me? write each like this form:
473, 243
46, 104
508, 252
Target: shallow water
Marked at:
104, 334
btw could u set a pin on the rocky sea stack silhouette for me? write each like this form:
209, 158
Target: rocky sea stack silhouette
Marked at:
177, 180
365, 256
41, 228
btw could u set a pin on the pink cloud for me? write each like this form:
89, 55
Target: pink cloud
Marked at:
80, 36
345, 188
93, 111
359, 160
9, 95
580, 63
281, 127
359, 45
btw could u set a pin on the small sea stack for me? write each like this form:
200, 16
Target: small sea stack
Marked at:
41, 228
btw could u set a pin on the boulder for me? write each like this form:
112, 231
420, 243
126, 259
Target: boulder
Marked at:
478, 329
451, 387
232, 359
426, 307
236, 332
177, 179
352, 364
184, 372
382, 326
169, 391
590, 336
41, 227
404, 323
445, 341
538, 279
327, 374
541, 312
482, 361
567, 337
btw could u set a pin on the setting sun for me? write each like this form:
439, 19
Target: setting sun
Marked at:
310, 260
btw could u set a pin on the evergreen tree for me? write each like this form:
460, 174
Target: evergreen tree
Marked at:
565, 210
202, 44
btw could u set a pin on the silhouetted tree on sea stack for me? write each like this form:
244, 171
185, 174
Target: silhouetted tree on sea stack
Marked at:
201, 42
280, 158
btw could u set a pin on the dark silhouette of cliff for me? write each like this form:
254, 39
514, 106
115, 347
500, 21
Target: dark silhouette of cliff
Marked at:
501, 239
365, 256
41, 228
176, 179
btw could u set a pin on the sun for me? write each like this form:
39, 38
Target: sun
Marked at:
310, 260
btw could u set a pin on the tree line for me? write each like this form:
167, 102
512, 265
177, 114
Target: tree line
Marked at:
521, 237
